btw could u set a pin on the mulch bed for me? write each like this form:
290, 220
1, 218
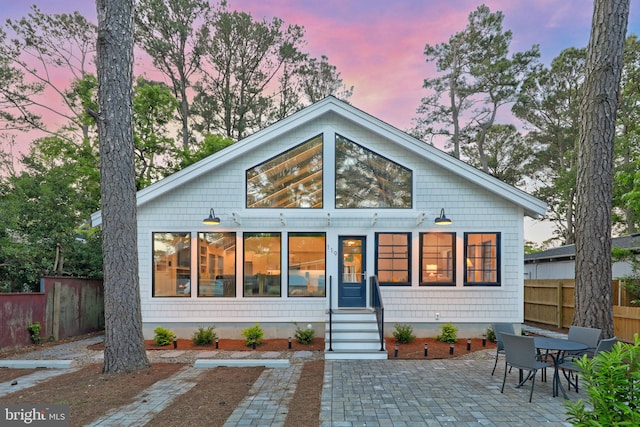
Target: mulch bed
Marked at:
218, 392
435, 349
89, 392
304, 407
210, 402
10, 374
413, 350
232, 345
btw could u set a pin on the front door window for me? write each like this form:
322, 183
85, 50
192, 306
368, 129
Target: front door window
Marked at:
352, 284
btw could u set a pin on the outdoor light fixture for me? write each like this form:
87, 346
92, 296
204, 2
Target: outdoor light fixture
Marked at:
212, 220
442, 219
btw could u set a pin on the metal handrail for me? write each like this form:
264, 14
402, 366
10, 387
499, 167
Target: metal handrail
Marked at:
330, 314
378, 306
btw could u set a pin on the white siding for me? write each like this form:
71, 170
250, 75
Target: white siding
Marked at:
471, 207
566, 269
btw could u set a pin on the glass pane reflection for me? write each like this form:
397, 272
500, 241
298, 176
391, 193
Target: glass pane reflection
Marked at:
352, 261
171, 264
262, 264
292, 179
306, 264
217, 264
365, 179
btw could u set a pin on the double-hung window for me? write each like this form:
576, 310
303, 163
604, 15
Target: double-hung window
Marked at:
437, 259
393, 258
482, 259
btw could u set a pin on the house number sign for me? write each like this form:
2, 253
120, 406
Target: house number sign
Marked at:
332, 250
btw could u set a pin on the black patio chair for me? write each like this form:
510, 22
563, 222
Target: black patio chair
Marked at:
520, 352
570, 368
587, 336
498, 329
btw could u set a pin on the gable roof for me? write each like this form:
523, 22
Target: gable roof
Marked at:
568, 252
532, 206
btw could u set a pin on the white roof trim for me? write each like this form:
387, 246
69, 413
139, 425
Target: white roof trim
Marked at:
532, 206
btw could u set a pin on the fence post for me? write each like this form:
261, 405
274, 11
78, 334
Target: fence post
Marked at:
560, 304
55, 327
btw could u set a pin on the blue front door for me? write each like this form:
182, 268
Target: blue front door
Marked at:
352, 283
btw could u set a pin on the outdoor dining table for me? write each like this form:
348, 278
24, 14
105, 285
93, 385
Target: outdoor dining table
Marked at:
556, 348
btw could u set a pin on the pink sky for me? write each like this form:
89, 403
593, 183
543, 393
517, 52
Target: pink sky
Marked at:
377, 45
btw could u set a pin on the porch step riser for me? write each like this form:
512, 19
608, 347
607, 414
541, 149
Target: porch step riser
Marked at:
338, 355
353, 346
358, 317
341, 326
354, 335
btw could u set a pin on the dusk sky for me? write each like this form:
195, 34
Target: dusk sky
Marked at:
377, 45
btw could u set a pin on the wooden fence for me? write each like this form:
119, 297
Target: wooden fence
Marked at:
551, 302
65, 307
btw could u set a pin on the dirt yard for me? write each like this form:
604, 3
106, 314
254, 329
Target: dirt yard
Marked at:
90, 393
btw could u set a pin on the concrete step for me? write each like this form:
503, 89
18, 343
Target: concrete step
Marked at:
349, 325
347, 334
354, 335
352, 315
354, 344
355, 355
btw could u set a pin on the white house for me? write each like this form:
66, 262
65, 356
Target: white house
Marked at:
310, 209
560, 262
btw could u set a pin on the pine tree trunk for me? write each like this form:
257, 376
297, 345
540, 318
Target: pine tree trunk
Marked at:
593, 302
124, 342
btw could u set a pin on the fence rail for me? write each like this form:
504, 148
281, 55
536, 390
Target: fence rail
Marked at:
551, 302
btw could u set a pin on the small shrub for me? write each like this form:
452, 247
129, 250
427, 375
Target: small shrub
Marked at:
491, 335
204, 336
611, 382
404, 334
449, 333
35, 329
304, 336
253, 334
163, 336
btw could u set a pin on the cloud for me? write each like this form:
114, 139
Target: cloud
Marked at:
377, 45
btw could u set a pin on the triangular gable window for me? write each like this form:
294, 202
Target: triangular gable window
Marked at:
292, 179
365, 179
